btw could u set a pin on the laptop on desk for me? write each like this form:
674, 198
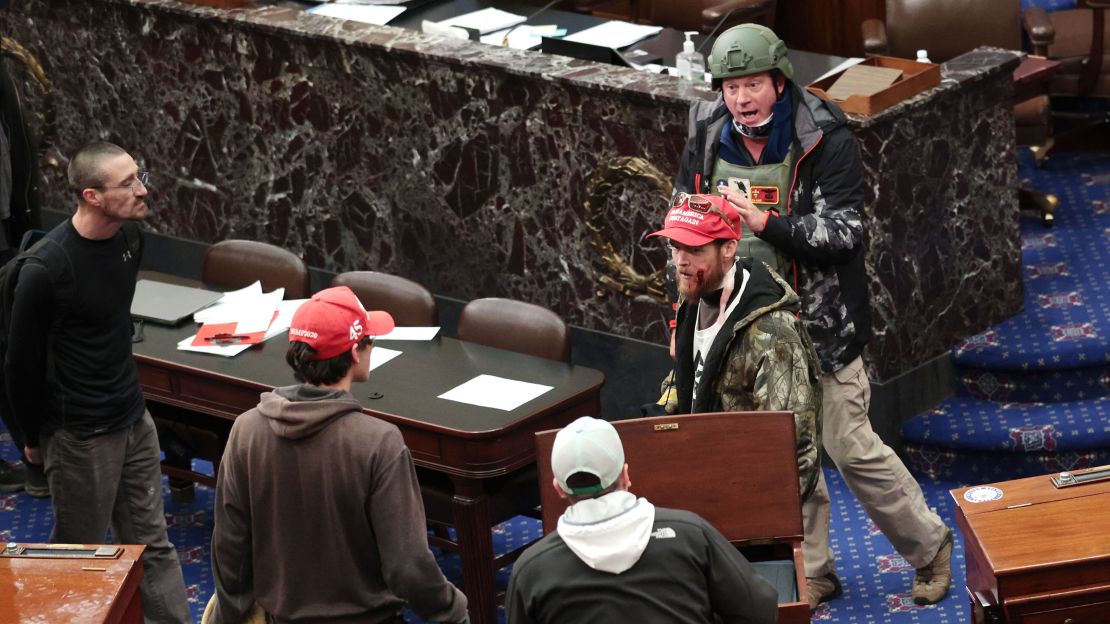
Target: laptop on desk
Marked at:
168, 304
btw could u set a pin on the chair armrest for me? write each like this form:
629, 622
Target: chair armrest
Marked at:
1041, 31
1098, 4
748, 10
874, 36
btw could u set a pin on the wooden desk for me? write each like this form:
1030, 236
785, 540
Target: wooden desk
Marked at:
58, 590
468, 443
1038, 555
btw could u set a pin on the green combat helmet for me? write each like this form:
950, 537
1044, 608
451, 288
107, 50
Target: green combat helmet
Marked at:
747, 49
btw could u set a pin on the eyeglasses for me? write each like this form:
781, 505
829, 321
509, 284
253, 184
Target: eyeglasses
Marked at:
366, 341
140, 180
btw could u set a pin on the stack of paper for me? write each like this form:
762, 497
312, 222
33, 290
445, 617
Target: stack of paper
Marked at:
614, 34
485, 21
239, 319
379, 14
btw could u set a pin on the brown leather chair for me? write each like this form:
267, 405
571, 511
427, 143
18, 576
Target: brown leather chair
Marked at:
699, 15
234, 264
738, 470
410, 304
228, 265
515, 326
1078, 39
949, 28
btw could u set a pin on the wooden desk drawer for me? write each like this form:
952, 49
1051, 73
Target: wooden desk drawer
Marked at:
1098, 613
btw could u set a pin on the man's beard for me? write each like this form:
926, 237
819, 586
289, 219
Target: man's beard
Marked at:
703, 282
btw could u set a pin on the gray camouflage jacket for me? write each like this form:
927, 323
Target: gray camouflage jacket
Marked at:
762, 359
822, 227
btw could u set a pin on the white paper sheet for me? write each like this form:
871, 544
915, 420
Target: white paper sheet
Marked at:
249, 308
521, 38
485, 21
381, 355
614, 34
284, 318
379, 14
839, 68
496, 392
410, 333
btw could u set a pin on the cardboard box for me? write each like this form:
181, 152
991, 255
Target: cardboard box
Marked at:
916, 77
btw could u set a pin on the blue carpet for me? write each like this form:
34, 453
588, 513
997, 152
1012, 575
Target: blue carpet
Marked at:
1033, 392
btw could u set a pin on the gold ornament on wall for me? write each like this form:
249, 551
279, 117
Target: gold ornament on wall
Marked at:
619, 275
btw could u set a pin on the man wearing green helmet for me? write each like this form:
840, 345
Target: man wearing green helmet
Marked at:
789, 164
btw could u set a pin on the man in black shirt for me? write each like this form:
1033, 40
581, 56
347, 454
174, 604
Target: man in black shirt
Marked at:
73, 384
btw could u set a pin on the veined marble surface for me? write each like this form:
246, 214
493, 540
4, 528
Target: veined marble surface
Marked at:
467, 167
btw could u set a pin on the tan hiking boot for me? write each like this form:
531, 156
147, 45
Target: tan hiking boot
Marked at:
930, 584
822, 589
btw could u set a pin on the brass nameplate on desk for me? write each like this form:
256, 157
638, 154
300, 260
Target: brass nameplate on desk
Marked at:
60, 551
1090, 475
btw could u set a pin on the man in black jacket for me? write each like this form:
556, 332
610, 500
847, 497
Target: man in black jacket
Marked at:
789, 164
618, 558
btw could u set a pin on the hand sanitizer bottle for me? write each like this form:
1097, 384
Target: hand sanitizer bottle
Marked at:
923, 57
690, 65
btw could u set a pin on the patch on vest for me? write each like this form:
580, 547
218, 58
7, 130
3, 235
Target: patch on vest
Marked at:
765, 195
664, 533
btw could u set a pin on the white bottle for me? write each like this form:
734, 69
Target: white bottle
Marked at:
923, 57
690, 65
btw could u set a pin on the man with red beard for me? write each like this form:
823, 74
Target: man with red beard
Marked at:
739, 345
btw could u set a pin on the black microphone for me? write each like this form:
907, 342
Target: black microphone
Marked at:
505, 39
720, 23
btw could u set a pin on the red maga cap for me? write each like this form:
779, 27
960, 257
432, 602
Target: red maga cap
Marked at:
697, 220
334, 320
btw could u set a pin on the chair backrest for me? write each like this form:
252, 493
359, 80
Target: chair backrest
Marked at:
948, 28
738, 470
704, 15
1082, 45
515, 326
410, 304
233, 264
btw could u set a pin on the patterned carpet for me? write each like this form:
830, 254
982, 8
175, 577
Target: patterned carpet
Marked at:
1033, 392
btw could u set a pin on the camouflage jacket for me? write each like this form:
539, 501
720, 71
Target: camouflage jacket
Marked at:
762, 359
821, 229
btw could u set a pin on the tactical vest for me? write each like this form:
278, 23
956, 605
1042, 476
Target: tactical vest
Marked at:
767, 187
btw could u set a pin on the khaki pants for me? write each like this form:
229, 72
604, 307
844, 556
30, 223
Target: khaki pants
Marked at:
873, 472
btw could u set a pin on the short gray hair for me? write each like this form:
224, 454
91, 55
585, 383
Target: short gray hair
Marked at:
85, 169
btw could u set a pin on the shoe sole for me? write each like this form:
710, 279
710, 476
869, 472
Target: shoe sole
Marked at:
11, 489
37, 493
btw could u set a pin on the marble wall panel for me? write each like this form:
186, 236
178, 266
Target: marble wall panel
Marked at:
468, 168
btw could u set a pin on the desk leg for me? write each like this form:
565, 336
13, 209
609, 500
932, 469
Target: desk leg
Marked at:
471, 510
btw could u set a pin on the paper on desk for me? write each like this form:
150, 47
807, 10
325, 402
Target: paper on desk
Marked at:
614, 34
249, 307
226, 351
379, 14
381, 355
284, 317
862, 80
409, 333
839, 68
496, 392
485, 21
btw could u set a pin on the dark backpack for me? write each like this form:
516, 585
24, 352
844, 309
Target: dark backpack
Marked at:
33, 248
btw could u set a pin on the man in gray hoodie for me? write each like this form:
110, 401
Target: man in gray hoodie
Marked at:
318, 512
618, 558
